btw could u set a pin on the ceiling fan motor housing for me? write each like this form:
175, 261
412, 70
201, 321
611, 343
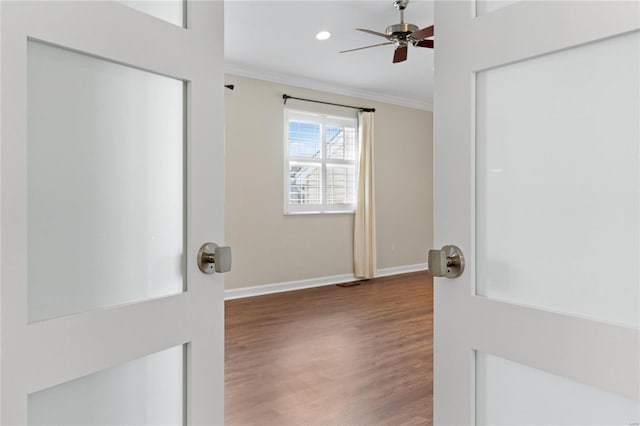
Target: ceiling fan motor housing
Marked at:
400, 31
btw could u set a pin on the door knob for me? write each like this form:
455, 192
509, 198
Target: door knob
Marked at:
213, 258
446, 262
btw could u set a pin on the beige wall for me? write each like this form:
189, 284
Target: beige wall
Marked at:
270, 247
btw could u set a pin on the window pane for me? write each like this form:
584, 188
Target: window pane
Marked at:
305, 184
341, 143
340, 185
304, 140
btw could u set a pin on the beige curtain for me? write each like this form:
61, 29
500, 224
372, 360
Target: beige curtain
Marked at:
364, 235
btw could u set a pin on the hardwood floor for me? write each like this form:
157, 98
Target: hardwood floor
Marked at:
332, 356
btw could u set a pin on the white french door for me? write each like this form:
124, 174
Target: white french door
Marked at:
111, 179
537, 165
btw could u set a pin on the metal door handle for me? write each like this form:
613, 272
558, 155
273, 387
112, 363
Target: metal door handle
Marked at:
446, 262
213, 258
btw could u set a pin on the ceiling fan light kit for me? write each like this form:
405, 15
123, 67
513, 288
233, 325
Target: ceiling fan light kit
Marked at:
401, 35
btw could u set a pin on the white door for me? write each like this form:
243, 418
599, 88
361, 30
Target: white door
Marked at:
111, 179
537, 181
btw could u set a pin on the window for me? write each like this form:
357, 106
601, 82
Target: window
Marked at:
320, 162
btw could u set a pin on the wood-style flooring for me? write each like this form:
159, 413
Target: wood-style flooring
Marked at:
332, 355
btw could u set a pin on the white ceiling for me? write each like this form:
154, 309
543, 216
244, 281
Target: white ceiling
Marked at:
275, 40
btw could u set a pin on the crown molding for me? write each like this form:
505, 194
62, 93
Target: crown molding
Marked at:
307, 83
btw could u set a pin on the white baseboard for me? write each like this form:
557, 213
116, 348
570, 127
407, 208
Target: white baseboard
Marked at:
260, 290
385, 272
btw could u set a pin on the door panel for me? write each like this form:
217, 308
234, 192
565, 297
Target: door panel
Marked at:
513, 394
145, 391
536, 180
105, 183
172, 11
557, 181
484, 7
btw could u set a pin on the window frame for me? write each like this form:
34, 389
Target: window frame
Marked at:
324, 120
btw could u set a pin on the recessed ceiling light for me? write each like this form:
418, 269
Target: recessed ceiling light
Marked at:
323, 35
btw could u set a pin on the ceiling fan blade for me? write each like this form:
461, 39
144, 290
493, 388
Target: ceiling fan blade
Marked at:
366, 47
400, 54
426, 32
424, 43
372, 32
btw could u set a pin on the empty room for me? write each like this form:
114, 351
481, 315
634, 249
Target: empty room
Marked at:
387, 212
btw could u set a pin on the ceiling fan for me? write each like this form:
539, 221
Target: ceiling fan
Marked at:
401, 35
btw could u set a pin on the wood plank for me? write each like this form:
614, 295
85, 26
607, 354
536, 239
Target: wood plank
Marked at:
330, 355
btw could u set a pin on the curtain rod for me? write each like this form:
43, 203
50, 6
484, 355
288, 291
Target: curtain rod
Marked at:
287, 97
